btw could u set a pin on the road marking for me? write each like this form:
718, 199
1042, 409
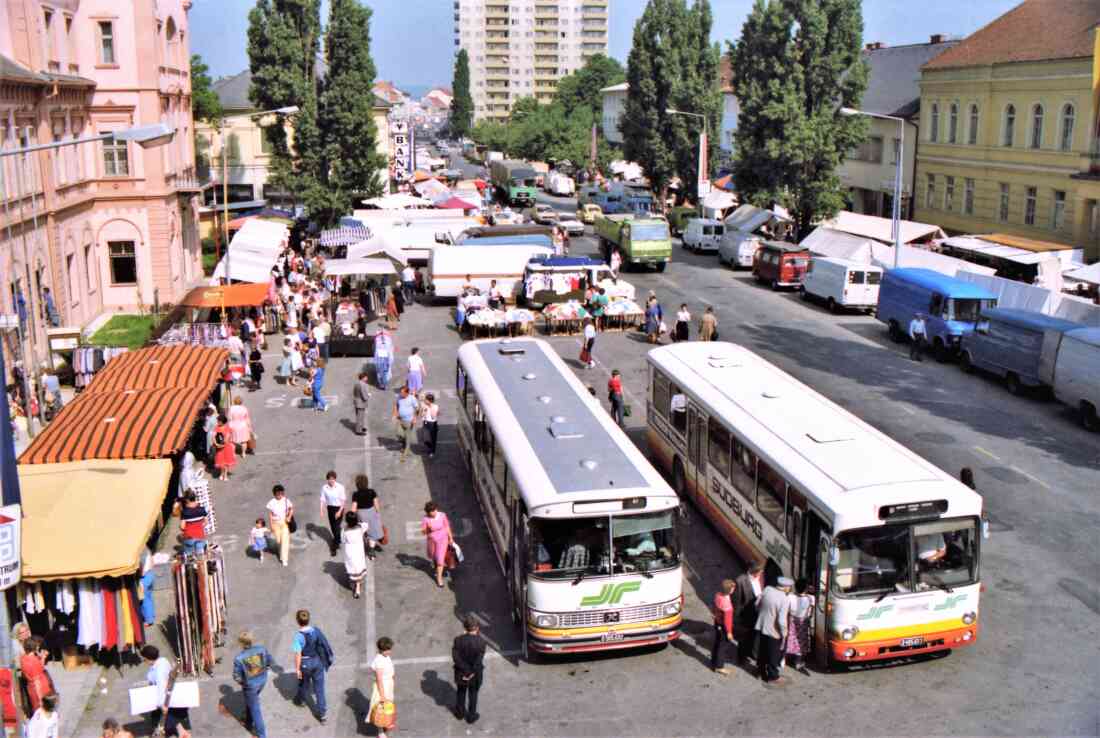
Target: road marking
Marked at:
626, 392
368, 586
909, 410
670, 282
355, 449
417, 660
981, 450
1035, 479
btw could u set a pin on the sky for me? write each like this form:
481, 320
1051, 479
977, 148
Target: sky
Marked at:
412, 41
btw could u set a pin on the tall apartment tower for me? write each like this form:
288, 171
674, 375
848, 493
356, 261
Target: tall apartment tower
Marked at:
521, 48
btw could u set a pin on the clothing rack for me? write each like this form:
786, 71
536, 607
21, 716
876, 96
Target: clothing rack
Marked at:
195, 334
201, 597
87, 360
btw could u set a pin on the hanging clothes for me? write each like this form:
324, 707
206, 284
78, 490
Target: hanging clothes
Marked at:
90, 628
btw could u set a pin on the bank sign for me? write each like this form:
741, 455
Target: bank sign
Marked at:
10, 517
401, 137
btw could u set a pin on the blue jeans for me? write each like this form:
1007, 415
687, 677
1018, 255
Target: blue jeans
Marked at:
382, 370
148, 607
194, 545
410, 291
253, 715
318, 401
313, 674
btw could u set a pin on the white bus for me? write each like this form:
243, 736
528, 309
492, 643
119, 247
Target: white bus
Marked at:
888, 541
584, 528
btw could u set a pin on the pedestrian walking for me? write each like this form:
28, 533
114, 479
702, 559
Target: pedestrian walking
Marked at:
437, 528
616, 262
256, 368
321, 332
177, 720
797, 644
601, 301
416, 372
148, 579
383, 355
312, 658
399, 302
111, 729
723, 626
460, 311
382, 690
429, 413
280, 517
404, 413
257, 538
468, 654
250, 668
587, 358
708, 325
317, 382
193, 525
209, 424
966, 476
225, 450
353, 543
750, 587
288, 368
408, 283
360, 395
240, 423
334, 501
652, 319
917, 337
366, 504
32, 667
615, 396
496, 300
682, 330
45, 722
771, 629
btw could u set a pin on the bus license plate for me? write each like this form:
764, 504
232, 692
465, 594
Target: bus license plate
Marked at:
611, 637
611, 617
912, 642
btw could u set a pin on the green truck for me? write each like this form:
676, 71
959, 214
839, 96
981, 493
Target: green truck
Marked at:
640, 240
514, 181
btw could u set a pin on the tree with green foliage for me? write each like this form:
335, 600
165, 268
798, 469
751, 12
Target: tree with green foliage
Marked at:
205, 105
581, 89
524, 107
672, 64
351, 165
284, 38
797, 63
462, 103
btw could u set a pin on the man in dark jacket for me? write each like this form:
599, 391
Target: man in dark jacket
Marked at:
468, 653
750, 586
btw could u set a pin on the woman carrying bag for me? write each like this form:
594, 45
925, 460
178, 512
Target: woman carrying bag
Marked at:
383, 711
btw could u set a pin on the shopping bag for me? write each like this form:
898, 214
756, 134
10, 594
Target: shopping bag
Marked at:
626, 411
184, 694
384, 715
143, 699
450, 561
585, 356
458, 553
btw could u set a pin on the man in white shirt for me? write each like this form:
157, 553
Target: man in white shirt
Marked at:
408, 282
917, 337
321, 332
334, 500
589, 343
383, 357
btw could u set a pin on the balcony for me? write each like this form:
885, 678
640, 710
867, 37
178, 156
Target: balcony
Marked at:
496, 22
542, 59
496, 34
496, 47
545, 47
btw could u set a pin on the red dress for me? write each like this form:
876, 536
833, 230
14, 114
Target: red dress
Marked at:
226, 456
38, 681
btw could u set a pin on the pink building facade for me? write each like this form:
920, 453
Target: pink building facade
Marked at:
105, 226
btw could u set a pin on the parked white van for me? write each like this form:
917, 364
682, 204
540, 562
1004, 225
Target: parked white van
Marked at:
842, 283
1074, 372
703, 234
738, 248
449, 267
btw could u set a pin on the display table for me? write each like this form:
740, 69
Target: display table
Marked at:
351, 345
622, 314
564, 318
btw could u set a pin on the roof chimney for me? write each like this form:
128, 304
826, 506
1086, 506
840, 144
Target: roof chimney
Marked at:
937, 38
874, 45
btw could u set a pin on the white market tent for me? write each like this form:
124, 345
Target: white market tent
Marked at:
838, 244
344, 267
748, 218
432, 189
717, 201
880, 229
375, 247
245, 266
253, 251
397, 201
1090, 274
824, 241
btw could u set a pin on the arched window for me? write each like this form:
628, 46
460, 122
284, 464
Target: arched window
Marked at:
972, 133
934, 129
1065, 141
170, 43
1010, 125
953, 124
1037, 127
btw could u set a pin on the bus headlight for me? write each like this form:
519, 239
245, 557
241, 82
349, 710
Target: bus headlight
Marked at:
672, 608
969, 618
546, 621
849, 633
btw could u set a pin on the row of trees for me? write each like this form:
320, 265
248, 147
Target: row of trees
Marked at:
559, 130
332, 159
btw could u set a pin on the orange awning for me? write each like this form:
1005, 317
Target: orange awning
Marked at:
236, 295
160, 366
1027, 244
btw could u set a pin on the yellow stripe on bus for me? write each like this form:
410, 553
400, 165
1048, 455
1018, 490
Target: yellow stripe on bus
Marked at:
558, 632
907, 631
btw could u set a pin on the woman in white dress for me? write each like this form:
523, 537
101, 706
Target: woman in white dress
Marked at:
355, 551
382, 667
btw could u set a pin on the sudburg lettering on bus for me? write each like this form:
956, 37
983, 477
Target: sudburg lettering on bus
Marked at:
734, 503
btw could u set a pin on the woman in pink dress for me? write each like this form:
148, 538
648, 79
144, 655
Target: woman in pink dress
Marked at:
437, 528
240, 423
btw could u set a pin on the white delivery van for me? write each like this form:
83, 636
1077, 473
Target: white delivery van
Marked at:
1076, 380
703, 234
738, 248
842, 283
449, 267
559, 184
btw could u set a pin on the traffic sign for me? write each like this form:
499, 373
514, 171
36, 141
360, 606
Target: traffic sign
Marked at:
10, 522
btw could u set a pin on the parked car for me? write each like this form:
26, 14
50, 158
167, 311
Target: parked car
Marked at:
842, 283
588, 213
1074, 373
703, 234
951, 307
506, 217
679, 216
1011, 344
780, 264
542, 214
738, 248
571, 225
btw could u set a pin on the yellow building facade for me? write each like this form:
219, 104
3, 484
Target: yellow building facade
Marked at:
1009, 146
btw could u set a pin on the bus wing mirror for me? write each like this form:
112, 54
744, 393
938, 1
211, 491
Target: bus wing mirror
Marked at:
834, 555
985, 528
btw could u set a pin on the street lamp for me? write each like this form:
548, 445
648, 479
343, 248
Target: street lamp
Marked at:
149, 136
896, 222
702, 145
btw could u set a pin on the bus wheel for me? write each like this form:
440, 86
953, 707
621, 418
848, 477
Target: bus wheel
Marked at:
965, 363
831, 304
1012, 384
679, 479
661, 266
1089, 418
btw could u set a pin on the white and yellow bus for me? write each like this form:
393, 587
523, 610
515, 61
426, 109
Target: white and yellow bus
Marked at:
584, 528
888, 541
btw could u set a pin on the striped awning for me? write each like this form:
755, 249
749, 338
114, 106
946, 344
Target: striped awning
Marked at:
143, 405
344, 236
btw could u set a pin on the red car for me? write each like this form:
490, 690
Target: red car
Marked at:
780, 264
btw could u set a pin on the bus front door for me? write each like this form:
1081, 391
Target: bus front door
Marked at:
696, 444
821, 598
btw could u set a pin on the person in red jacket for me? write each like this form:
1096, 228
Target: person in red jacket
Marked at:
615, 396
723, 626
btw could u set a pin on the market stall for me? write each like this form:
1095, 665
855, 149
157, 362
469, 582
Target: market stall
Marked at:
619, 315
565, 278
564, 317
360, 297
195, 320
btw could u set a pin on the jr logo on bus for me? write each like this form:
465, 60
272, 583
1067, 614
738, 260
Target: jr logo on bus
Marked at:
875, 612
950, 602
611, 594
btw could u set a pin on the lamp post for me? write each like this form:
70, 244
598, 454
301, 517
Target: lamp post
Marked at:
702, 146
896, 222
157, 134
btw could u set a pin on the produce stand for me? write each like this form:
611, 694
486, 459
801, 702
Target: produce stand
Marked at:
622, 314
566, 318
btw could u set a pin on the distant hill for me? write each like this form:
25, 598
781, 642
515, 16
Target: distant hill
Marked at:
415, 91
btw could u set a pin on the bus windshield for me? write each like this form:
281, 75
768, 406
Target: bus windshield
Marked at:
872, 561
562, 549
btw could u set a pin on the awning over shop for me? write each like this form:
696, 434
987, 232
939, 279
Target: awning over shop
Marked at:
718, 200
235, 295
245, 267
838, 244
344, 267
455, 203
748, 218
1090, 274
397, 201
160, 366
378, 246
89, 518
881, 229
344, 235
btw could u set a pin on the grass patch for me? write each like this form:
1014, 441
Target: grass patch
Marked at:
209, 261
124, 330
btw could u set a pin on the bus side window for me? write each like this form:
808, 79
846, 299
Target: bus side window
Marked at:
743, 471
771, 494
500, 469
479, 421
660, 393
719, 447
678, 406
460, 385
796, 503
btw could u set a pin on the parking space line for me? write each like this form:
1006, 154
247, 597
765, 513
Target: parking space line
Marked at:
1033, 478
991, 455
369, 603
